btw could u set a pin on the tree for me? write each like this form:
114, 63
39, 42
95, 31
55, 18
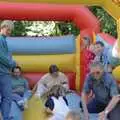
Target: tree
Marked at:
50, 28
20, 28
108, 24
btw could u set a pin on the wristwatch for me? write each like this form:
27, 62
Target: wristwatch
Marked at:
106, 112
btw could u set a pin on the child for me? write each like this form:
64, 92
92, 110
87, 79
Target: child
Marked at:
57, 103
73, 116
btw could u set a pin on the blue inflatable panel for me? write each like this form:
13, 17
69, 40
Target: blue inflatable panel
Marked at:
42, 45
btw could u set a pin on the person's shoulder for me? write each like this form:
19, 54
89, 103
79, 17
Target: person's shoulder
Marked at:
88, 76
106, 50
108, 77
22, 78
62, 74
46, 75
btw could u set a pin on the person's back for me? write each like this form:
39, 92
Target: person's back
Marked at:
57, 104
60, 106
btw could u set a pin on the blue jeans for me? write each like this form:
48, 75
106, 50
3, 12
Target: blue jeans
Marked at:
6, 95
95, 106
16, 113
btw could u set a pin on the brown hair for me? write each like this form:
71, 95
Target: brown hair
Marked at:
56, 91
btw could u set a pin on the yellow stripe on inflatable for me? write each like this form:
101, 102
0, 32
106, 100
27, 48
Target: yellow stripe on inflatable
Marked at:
116, 73
41, 63
78, 63
86, 2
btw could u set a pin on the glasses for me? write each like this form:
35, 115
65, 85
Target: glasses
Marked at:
96, 73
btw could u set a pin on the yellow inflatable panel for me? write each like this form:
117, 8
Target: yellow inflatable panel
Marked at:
112, 7
116, 73
41, 63
87, 2
78, 63
35, 110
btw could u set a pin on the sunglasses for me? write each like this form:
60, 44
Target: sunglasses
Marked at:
96, 73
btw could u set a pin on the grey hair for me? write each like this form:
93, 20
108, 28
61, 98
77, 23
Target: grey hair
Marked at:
96, 63
73, 115
7, 23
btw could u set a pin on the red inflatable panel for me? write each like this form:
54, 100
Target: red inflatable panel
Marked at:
33, 78
79, 14
108, 38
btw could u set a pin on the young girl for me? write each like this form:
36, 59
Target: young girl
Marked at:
56, 103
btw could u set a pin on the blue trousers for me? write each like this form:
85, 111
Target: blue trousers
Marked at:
95, 106
16, 113
6, 95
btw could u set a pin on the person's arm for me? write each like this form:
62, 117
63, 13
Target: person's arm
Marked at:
5, 59
49, 105
115, 98
113, 92
85, 92
84, 105
65, 81
41, 86
27, 93
103, 115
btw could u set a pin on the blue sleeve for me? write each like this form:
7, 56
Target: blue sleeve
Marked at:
87, 86
27, 93
113, 87
5, 58
49, 104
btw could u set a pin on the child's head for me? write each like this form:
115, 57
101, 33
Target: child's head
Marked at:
73, 116
56, 91
86, 41
99, 47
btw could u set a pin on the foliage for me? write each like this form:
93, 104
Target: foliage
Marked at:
50, 28
108, 24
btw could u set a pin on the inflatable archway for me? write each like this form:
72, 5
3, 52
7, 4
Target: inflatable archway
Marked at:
35, 57
78, 14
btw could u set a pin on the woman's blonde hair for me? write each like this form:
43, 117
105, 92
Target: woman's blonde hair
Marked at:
72, 115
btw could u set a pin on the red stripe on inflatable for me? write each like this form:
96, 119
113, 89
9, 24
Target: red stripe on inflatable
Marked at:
108, 38
79, 14
33, 78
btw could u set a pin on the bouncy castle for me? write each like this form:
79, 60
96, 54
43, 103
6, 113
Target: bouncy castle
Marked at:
35, 54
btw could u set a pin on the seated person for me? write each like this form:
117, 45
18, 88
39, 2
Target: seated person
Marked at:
54, 77
73, 116
20, 94
56, 103
103, 86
